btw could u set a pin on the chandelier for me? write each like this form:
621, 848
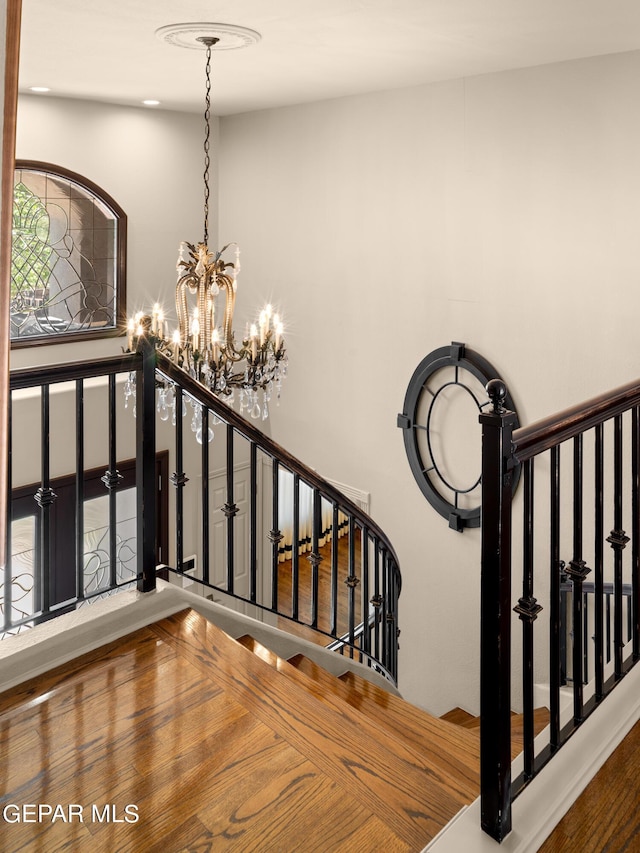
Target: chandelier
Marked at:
208, 349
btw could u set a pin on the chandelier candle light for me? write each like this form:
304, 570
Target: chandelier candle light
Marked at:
208, 351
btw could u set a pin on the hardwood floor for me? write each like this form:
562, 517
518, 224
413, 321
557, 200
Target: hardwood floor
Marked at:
177, 738
606, 816
324, 592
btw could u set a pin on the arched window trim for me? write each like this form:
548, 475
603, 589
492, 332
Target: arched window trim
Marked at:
120, 270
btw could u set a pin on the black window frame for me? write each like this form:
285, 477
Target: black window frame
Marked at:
120, 283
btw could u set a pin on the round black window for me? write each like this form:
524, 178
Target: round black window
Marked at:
442, 437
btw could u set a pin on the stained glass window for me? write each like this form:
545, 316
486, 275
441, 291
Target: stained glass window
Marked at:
67, 260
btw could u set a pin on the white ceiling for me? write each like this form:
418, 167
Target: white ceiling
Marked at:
106, 50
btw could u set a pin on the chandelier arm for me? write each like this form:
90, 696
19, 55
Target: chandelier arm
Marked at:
208, 306
231, 352
182, 310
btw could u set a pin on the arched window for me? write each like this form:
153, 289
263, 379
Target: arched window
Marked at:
68, 258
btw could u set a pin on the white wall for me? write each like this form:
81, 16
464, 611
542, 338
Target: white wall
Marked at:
148, 161
500, 211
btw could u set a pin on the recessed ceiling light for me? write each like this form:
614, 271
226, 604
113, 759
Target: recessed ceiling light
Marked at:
151, 103
39, 89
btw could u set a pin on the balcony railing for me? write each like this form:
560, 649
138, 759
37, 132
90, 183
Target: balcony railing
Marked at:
579, 514
227, 512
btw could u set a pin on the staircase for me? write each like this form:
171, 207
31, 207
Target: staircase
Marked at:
471, 723
196, 741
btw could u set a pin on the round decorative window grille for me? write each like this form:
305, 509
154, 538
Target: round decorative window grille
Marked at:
442, 437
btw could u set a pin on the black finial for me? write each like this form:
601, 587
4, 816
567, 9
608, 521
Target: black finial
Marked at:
497, 393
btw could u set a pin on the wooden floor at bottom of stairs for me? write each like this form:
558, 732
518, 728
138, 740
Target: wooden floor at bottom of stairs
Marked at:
176, 738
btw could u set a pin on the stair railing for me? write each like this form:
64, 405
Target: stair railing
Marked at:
578, 501
338, 599
236, 539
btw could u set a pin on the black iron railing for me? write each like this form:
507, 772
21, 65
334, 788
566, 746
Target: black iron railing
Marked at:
594, 616
336, 588
229, 519
45, 582
587, 482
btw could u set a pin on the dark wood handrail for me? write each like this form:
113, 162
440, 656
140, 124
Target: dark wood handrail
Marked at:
276, 451
541, 435
31, 377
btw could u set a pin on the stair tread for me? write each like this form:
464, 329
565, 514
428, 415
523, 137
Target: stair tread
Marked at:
468, 722
430, 751
408, 800
459, 717
462, 744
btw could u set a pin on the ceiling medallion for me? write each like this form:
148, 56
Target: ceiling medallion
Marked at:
229, 36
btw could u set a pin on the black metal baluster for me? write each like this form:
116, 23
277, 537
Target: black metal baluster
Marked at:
577, 571
146, 518
79, 489
598, 599
275, 534
565, 621
384, 613
253, 531
618, 541
335, 523
230, 510
556, 623
528, 609
179, 479
352, 582
295, 549
392, 616
365, 643
111, 479
634, 604
315, 558
45, 497
585, 638
608, 625
396, 629
204, 412
376, 600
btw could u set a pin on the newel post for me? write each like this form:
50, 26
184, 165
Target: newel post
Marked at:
146, 465
496, 612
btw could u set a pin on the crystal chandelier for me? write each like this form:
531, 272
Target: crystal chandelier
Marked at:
210, 351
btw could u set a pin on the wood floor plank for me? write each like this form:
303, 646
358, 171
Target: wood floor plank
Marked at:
409, 801
189, 836
45, 837
129, 653
85, 735
605, 818
290, 805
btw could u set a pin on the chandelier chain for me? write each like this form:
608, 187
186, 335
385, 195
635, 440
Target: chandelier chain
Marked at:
207, 133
